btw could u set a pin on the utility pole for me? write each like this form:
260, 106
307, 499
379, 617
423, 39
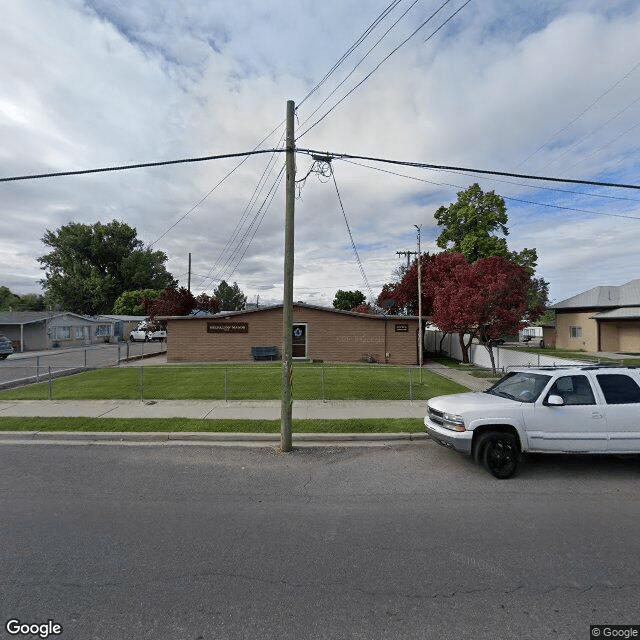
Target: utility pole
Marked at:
408, 254
286, 410
189, 277
419, 228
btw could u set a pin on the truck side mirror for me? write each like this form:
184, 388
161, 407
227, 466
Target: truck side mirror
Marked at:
555, 401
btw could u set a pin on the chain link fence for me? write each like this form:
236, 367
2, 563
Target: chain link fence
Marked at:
256, 381
22, 369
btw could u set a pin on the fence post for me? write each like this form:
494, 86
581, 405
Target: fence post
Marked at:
85, 358
50, 385
226, 382
322, 381
142, 383
410, 384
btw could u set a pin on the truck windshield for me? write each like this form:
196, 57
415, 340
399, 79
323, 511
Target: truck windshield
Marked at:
520, 386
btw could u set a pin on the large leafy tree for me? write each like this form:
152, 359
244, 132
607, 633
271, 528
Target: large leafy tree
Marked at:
129, 303
470, 224
89, 266
348, 300
230, 296
476, 226
485, 299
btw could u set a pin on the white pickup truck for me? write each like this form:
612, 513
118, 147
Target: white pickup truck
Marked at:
146, 332
590, 409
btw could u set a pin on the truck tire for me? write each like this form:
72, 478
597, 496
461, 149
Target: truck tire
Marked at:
500, 454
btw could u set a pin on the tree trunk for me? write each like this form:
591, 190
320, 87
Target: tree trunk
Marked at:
465, 348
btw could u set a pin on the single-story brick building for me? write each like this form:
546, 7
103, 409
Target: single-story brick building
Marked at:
319, 333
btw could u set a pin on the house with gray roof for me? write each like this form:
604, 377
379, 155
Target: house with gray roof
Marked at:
38, 330
601, 319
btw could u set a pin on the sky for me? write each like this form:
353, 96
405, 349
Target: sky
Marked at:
534, 87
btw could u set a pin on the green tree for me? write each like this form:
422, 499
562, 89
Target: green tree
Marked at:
32, 302
348, 300
91, 265
129, 303
472, 226
8, 300
231, 297
14, 302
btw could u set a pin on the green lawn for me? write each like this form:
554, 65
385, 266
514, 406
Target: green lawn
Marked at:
241, 382
404, 425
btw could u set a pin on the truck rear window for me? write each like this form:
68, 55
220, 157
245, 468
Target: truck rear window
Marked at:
618, 388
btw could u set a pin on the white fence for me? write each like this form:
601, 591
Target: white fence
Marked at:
505, 359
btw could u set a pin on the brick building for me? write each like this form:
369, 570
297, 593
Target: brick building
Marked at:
319, 333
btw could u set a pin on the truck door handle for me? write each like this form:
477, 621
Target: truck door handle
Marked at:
596, 415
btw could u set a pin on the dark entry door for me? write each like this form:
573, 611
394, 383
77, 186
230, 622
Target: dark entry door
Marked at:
299, 340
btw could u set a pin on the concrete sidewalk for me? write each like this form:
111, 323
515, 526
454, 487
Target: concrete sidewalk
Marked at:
213, 409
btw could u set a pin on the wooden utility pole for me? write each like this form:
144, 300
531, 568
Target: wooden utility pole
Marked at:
419, 228
189, 277
286, 411
408, 254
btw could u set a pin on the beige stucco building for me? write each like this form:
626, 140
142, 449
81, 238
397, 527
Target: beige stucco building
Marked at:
601, 319
319, 333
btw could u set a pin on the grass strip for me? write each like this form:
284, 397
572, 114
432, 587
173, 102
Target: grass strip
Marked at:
161, 425
240, 382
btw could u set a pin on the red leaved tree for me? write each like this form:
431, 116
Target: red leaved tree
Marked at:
485, 299
209, 304
405, 292
172, 302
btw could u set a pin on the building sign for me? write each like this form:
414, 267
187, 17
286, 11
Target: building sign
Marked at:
227, 327
402, 328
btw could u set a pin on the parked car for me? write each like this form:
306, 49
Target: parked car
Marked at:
590, 409
146, 332
6, 348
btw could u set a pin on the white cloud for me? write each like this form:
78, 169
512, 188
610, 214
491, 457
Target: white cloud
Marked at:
88, 84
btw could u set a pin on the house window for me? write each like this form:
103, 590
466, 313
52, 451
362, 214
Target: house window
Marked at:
103, 330
575, 332
61, 333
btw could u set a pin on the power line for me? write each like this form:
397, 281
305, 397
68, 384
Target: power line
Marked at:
359, 84
425, 165
353, 244
351, 49
593, 104
127, 167
538, 204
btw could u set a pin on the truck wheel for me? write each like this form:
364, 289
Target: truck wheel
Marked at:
500, 455
130, 338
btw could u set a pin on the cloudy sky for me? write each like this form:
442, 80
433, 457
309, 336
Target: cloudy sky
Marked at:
536, 87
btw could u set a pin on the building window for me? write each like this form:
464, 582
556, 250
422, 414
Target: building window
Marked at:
575, 332
103, 330
61, 333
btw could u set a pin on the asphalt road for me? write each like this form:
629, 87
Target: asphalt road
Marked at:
408, 541
32, 366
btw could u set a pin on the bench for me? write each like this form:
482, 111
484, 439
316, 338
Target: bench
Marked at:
264, 353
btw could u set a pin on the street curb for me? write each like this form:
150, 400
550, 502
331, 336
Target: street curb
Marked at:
13, 437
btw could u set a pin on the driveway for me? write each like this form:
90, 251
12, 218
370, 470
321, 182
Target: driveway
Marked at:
34, 366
